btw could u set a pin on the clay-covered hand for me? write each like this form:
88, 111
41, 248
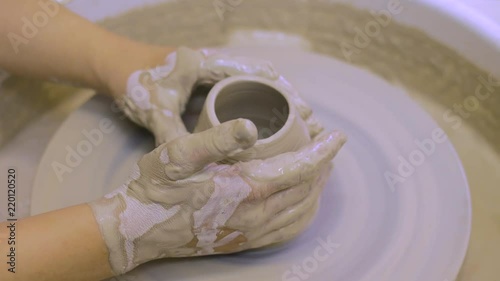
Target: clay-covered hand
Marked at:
179, 202
156, 98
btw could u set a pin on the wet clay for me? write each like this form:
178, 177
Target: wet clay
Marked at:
164, 212
269, 105
400, 54
435, 75
156, 98
178, 201
253, 102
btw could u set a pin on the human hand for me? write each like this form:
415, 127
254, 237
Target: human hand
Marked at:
180, 203
156, 98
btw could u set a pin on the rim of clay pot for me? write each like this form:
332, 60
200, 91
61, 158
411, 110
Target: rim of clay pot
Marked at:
216, 89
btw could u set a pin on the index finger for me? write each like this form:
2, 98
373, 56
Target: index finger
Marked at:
189, 154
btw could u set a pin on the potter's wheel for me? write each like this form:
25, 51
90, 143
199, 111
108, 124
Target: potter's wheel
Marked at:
417, 230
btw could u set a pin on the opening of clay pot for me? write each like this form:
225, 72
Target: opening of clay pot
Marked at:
195, 105
265, 106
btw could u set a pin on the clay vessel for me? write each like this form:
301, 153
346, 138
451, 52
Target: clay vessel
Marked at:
266, 104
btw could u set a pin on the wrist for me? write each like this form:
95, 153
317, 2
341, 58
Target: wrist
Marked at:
128, 221
122, 57
107, 214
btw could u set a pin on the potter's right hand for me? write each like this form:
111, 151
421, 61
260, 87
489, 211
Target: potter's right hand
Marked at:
156, 98
179, 202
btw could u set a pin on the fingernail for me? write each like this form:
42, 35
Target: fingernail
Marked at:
342, 138
325, 142
245, 132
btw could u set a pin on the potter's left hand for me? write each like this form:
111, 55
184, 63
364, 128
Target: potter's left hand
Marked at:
156, 98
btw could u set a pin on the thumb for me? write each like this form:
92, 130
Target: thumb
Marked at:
191, 153
166, 128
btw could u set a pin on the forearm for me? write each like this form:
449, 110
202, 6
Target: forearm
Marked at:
43, 39
60, 245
